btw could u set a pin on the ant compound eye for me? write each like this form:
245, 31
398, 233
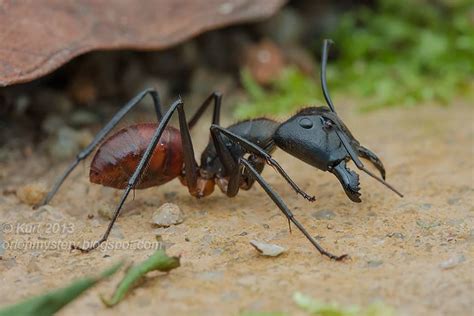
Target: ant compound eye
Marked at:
328, 124
306, 123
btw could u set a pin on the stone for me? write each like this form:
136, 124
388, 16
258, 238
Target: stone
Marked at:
265, 249
67, 142
452, 262
168, 214
32, 193
324, 214
105, 210
374, 263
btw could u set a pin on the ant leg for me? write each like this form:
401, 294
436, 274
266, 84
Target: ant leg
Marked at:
217, 98
235, 169
281, 205
191, 166
101, 135
248, 180
256, 150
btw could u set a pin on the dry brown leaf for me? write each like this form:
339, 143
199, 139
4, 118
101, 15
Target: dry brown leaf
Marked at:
37, 37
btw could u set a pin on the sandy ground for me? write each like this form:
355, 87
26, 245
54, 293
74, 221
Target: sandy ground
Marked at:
401, 249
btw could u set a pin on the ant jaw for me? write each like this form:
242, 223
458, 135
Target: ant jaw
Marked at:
349, 180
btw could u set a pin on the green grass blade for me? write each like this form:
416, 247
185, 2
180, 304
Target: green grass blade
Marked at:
52, 302
158, 261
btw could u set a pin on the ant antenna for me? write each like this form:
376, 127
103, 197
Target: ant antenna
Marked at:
339, 132
324, 59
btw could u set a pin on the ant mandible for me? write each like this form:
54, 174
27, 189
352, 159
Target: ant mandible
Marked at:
150, 154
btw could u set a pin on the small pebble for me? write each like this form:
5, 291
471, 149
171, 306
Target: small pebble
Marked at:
168, 214
48, 213
210, 275
105, 211
247, 280
265, 249
374, 263
31, 194
324, 214
452, 262
425, 206
396, 235
67, 142
117, 233
428, 224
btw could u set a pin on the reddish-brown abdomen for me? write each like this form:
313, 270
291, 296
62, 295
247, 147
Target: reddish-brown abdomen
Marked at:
119, 155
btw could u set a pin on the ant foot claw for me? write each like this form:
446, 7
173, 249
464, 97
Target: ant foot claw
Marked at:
340, 258
82, 250
308, 197
38, 205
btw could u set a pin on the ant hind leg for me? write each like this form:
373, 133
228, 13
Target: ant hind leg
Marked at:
101, 135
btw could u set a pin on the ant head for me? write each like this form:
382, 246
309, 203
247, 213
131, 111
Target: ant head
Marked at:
311, 136
318, 137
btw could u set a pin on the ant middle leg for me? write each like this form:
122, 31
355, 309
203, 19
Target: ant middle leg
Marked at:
101, 135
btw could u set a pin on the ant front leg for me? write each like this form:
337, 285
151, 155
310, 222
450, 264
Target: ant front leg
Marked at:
101, 135
217, 131
234, 168
190, 164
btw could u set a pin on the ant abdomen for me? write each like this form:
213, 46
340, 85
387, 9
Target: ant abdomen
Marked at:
118, 157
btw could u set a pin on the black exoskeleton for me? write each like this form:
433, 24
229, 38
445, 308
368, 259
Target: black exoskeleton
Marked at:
235, 156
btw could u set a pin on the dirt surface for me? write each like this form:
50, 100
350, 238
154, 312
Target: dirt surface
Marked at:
415, 253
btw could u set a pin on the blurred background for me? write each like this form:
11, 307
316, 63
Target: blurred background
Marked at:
387, 53
401, 75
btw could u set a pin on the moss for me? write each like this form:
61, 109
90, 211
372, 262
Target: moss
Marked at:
397, 53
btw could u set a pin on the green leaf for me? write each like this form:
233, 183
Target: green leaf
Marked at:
290, 90
52, 302
158, 261
319, 308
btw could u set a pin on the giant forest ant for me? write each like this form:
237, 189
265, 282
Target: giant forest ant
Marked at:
151, 154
